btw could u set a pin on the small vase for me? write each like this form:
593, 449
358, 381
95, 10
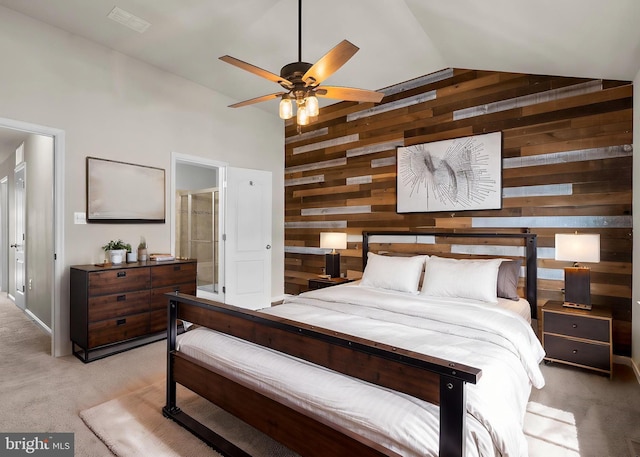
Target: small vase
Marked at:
142, 255
132, 257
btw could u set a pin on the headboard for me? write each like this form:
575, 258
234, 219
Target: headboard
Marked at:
484, 245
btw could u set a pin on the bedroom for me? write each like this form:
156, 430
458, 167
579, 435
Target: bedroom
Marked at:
104, 90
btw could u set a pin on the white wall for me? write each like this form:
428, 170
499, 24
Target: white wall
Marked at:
111, 106
38, 156
635, 307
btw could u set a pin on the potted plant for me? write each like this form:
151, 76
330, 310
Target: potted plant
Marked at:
132, 257
116, 250
142, 250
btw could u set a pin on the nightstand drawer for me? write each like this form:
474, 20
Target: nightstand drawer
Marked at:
577, 326
578, 352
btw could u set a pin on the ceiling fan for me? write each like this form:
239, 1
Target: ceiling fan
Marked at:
301, 81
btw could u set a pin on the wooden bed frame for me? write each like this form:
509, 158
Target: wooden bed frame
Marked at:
432, 379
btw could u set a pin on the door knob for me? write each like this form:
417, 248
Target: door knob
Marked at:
13, 245
268, 246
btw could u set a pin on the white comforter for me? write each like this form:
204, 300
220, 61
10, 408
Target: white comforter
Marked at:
498, 341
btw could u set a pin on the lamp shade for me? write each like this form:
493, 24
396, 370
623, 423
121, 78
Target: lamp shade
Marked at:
584, 247
333, 240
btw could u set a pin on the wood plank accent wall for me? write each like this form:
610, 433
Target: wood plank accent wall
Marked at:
567, 166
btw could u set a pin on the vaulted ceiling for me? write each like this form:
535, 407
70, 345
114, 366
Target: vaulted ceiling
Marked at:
398, 39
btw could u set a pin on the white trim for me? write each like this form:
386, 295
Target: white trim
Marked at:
4, 233
58, 346
37, 320
623, 360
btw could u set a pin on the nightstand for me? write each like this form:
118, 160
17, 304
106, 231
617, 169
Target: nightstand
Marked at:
321, 283
577, 337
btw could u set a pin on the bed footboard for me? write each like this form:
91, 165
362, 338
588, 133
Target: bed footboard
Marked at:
435, 380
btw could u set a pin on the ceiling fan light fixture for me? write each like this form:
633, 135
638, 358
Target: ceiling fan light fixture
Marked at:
286, 108
302, 80
302, 116
313, 108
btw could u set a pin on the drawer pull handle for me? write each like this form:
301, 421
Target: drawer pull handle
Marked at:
121, 274
575, 326
575, 351
121, 298
121, 321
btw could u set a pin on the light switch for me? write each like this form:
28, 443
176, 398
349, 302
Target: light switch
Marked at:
79, 218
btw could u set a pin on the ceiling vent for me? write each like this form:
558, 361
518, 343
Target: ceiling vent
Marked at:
129, 20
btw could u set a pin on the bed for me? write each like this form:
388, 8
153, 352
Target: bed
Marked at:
428, 354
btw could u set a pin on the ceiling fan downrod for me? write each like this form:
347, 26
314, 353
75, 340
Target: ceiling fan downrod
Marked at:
299, 30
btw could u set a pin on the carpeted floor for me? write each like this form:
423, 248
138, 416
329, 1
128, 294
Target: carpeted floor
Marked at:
577, 413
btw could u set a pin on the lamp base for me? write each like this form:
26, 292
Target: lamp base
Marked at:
332, 264
577, 287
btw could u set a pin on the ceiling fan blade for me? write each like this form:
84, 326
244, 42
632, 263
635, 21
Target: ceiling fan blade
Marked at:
257, 71
263, 98
330, 63
349, 93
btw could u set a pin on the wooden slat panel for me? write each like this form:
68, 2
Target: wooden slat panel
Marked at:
579, 144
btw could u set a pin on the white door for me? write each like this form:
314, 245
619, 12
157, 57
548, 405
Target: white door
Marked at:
248, 238
19, 245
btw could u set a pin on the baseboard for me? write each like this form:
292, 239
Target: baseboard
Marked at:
38, 321
629, 362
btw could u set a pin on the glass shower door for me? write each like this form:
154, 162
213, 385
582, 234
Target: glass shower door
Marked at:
197, 235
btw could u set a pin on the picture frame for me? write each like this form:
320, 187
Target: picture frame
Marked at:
461, 174
121, 192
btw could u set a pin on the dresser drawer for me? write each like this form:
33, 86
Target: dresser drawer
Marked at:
158, 299
577, 326
118, 281
118, 329
578, 352
166, 275
109, 306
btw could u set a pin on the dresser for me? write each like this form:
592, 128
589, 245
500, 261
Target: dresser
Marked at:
578, 337
119, 307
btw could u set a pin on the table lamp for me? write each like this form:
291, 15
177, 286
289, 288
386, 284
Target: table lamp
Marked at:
333, 241
577, 279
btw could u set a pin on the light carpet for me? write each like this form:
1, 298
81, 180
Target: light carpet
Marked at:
133, 425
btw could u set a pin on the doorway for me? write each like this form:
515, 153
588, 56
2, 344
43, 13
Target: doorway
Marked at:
240, 222
197, 220
19, 288
43, 283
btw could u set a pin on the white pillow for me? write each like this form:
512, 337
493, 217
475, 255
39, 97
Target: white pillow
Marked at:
474, 279
395, 273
